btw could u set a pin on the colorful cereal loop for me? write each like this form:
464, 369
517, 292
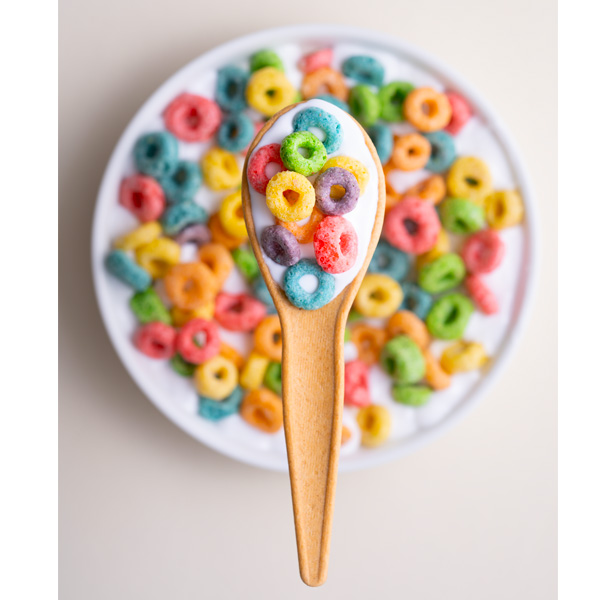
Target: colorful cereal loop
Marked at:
269, 91
379, 296
262, 409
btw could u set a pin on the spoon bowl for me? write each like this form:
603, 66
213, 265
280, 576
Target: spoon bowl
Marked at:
312, 387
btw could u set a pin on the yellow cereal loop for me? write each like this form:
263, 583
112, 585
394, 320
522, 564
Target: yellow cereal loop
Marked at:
251, 377
144, 234
216, 378
220, 170
350, 164
469, 177
379, 296
463, 356
290, 196
375, 424
158, 256
180, 316
504, 208
269, 91
232, 215
442, 246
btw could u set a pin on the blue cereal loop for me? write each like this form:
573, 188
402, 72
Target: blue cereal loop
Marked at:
178, 216
231, 88
156, 154
364, 69
383, 140
341, 104
443, 151
417, 300
235, 132
390, 261
216, 410
320, 119
183, 183
297, 295
120, 265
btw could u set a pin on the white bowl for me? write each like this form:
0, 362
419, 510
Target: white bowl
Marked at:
169, 392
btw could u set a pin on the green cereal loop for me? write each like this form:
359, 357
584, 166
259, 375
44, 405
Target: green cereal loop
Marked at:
411, 395
365, 105
347, 335
181, 367
392, 98
273, 378
442, 274
246, 263
148, 307
449, 317
402, 358
265, 58
462, 216
294, 161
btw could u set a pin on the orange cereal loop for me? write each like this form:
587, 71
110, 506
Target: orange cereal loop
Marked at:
346, 435
411, 152
190, 285
432, 189
218, 260
427, 109
408, 323
262, 409
369, 342
230, 353
268, 338
304, 234
325, 81
220, 236
435, 375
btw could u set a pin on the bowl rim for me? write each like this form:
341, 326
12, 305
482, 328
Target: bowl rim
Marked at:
247, 43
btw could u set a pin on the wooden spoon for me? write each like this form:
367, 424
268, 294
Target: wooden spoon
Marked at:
313, 390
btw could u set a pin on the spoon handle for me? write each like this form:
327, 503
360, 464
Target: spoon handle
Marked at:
313, 392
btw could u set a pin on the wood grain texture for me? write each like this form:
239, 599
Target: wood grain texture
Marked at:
313, 389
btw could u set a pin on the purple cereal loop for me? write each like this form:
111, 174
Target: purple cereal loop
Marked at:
323, 186
280, 245
194, 234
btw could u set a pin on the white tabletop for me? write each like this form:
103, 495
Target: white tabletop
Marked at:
147, 512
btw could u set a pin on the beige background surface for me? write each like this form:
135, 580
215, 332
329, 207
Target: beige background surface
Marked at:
147, 512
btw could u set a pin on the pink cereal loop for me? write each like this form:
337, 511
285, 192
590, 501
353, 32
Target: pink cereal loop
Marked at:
316, 60
481, 294
461, 113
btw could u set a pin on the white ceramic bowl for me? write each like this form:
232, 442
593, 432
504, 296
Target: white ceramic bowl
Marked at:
174, 395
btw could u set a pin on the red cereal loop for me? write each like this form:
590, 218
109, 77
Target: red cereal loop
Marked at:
483, 252
481, 294
238, 312
257, 167
356, 383
143, 197
194, 350
156, 340
192, 118
461, 112
412, 225
335, 245
316, 60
